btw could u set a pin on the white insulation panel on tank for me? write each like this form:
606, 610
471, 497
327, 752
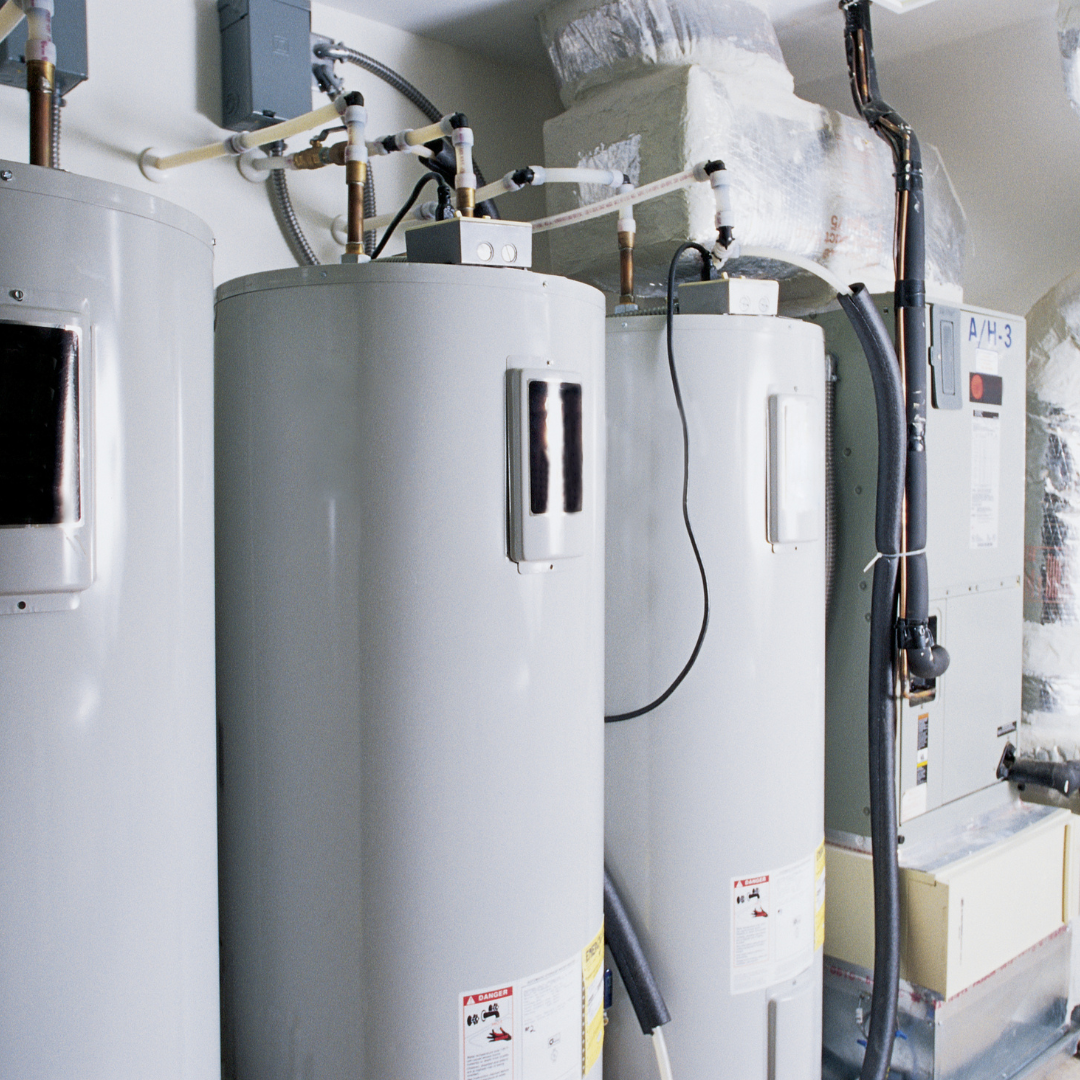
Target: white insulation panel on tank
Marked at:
714, 801
412, 804
108, 830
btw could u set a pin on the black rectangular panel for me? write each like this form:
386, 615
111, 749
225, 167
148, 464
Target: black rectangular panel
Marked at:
539, 463
570, 394
39, 425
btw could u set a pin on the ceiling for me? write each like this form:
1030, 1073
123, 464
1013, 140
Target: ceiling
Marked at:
810, 31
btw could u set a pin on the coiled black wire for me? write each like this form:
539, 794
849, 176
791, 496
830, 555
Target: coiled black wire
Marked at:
444, 197
706, 263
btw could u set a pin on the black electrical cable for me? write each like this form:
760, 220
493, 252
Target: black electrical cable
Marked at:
881, 704
406, 207
705, 269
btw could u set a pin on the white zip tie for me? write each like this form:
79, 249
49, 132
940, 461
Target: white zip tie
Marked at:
894, 555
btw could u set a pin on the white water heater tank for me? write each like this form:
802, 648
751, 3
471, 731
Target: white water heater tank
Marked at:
108, 829
714, 805
410, 524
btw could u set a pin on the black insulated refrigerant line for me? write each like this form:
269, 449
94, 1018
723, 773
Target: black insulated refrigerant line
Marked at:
630, 959
881, 711
925, 659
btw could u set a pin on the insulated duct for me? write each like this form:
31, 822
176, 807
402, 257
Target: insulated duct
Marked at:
652, 85
1050, 717
1068, 22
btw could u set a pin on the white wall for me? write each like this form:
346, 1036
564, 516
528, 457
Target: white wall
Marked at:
994, 104
995, 107
154, 80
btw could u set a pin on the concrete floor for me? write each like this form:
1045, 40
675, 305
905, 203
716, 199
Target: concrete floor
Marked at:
1062, 1068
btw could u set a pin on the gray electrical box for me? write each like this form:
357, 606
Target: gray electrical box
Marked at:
952, 731
265, 61
69, 36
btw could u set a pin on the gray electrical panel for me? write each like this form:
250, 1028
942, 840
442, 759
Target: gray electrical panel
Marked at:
69, 36
265, 61
951, 732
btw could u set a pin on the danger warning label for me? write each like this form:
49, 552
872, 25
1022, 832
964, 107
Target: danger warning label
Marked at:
547, 1026
773, 924
487, 1024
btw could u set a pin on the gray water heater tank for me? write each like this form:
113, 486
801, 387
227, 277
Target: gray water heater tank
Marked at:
108, 832
715, 799
410, 524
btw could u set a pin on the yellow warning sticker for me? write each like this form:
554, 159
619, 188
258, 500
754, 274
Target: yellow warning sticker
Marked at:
592, 1001
819, 896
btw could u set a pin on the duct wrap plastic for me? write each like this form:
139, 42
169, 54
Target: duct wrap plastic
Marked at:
805, 179
591, 45
1068, 21
1050, 717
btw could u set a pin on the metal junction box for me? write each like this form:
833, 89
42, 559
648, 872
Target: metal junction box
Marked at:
951, 734
466, 241
265, 61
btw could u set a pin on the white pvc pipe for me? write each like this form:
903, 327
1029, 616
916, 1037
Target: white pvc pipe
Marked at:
607, 177
802, 263
662, 1059
248, 140
617, 202
10, 17
542, 175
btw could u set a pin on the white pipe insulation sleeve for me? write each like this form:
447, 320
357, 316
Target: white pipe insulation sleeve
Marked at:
418, 136
626, 214
355, 125
777, 255
721, 185
462, 139
10, 17
617, 202
606, 177
39, 42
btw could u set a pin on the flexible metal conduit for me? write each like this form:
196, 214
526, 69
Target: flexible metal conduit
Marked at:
286, 216
54, 129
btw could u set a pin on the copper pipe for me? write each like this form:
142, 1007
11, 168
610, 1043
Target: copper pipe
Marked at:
466, 201
626, 267
355, 178
41, 82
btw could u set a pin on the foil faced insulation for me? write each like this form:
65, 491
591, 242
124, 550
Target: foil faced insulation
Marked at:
805, 179
1068, 20
591, 44
1050, 720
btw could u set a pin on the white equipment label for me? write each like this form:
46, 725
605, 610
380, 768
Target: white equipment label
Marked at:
773, 924
542, 1027
985, 478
